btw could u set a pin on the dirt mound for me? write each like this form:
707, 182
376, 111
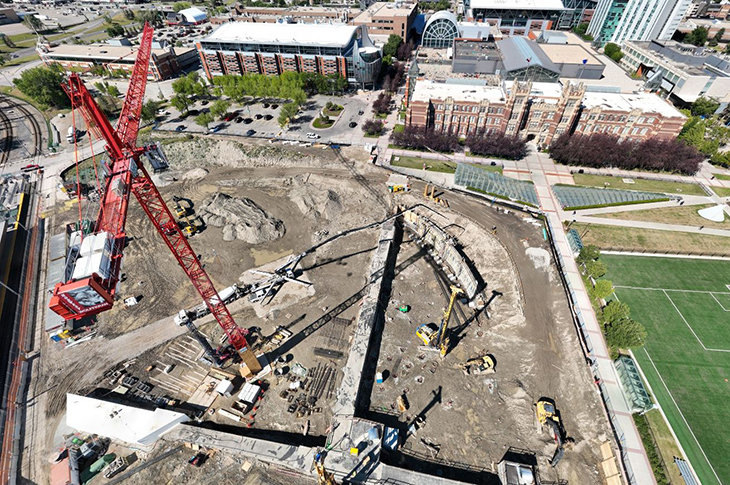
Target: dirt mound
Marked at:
321, 204
241, 219
195, 174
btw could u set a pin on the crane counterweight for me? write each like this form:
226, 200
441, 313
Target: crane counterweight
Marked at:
95, 292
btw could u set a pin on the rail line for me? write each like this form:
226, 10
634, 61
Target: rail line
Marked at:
35, 127
6, 128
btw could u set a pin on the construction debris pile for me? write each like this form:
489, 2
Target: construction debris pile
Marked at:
241, 219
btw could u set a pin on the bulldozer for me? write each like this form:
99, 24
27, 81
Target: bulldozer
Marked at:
548, 416
478, 365
435, 336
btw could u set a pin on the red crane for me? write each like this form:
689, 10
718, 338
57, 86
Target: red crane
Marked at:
97, 269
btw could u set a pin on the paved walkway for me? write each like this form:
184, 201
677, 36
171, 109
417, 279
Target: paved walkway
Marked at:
650, 225
640, 471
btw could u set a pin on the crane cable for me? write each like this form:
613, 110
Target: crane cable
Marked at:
76, 159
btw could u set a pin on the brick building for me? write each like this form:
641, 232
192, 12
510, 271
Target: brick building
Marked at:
300, 15
385, 18
164, 62
540, 111
252, 48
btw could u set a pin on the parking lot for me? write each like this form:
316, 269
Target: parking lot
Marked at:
260, 119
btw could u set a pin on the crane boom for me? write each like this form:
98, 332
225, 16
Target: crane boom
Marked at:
95, 272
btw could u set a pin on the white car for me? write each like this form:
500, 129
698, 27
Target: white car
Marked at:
313, 136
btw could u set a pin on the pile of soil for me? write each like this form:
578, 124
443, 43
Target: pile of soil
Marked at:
241, 219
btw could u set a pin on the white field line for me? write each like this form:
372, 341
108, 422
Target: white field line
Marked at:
690, 327
682, 415
718, 302
660, 408
669, 289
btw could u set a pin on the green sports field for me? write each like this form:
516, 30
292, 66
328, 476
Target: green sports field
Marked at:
685, 306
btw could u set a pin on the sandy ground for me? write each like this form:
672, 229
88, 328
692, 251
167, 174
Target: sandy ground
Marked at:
315, 195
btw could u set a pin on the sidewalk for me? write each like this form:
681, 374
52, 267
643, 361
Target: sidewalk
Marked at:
637, 463
650, 225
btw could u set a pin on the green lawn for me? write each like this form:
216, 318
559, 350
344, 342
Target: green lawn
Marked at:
687, 356
442, 166
639, 184
685, 215
722, 176
722, 191
21, 60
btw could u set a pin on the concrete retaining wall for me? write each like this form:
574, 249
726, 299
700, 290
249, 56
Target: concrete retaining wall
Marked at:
445, 251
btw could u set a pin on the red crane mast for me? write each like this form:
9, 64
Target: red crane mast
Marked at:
96, 271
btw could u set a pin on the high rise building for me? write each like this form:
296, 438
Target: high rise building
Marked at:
619, 20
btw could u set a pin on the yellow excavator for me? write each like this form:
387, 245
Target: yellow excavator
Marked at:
325, 477
434, 336
188, 226
479, 365
548, 416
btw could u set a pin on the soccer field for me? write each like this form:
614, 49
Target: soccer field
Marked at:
685, 306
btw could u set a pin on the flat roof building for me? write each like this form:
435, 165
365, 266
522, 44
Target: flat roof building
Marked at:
243, 48
292, 15
164, 63
8, 16
386, 18
540, 111
517, 58
518, 17
681, 71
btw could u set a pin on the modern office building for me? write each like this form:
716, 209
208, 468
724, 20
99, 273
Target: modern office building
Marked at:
621, 20
165, 61
679, 71
442, 28
242, 48
386, 18
518, 17
540, 111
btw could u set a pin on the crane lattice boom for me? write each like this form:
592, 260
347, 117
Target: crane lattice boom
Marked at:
96, 270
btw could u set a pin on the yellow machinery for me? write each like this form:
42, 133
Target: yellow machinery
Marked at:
435, 336
548, 415
188, 226
325, 477
479, 365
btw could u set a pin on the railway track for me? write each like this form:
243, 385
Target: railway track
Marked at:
6, 128
35, 128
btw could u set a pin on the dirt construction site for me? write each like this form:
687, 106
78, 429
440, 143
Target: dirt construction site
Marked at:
257, 204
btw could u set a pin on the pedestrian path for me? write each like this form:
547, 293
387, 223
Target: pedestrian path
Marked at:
635, 458
651, 225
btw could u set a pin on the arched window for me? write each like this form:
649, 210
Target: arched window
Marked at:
440, 31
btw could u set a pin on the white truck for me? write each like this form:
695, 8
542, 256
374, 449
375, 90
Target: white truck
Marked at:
227, 295
71, 134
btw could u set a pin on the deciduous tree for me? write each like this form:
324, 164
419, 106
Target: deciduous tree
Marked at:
625, 334
43, 85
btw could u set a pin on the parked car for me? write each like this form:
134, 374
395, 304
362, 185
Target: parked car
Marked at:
32, 166
361, 112
250, 132
259, 116
239, 119
248, 121
352, 124
204, 102
229, 116
180, 128
214, 129
268, 117
274, 106
312, 136
266, 105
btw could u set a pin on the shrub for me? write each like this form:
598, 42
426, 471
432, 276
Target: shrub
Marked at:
373, 127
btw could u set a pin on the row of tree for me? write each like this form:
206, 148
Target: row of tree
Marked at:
601, 150
496, 145
615, 318
418, 138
